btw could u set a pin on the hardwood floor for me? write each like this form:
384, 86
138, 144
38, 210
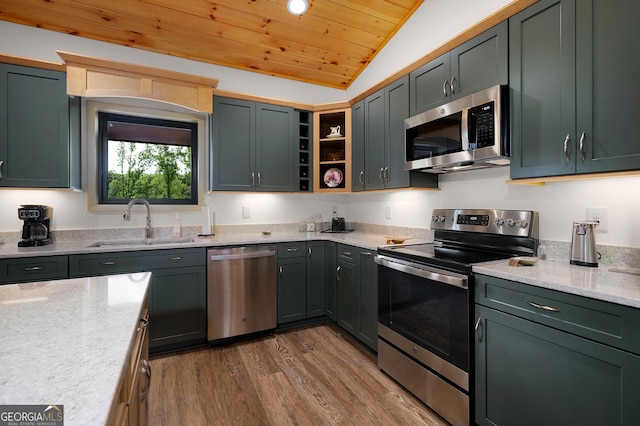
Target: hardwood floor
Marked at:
308, 376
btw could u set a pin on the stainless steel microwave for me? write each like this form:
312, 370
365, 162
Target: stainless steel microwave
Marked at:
468, 133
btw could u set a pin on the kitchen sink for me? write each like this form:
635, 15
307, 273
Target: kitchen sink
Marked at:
142, 242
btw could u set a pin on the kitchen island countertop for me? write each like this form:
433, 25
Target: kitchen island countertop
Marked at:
66, 342
611, 284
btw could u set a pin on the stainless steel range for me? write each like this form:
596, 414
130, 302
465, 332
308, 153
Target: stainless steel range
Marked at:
425, 302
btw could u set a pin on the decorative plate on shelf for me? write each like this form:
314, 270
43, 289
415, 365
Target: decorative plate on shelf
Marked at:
332, 177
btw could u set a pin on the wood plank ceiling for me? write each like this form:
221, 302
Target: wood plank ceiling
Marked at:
329, 45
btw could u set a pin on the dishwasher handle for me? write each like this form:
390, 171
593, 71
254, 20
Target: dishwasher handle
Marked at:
247, 255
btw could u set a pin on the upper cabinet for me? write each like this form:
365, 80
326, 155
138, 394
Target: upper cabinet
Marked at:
573, 76
378, 141
332, 148
479, 63
254, 147
39, 129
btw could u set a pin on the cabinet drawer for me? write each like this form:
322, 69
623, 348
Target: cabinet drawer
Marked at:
605, 322
296, 249
33, 269
120, 262
349, 253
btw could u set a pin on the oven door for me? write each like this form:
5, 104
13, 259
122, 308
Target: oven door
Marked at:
427, 306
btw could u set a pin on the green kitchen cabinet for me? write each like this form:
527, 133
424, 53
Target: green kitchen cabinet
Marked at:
480, 63
29, 269
331, 265
301, 281
357, 293
253, 147
570, 360
574, 88
316, 279
378, 141
177, 293
39, 136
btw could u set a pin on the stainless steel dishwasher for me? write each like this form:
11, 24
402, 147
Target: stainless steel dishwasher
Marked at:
241, 290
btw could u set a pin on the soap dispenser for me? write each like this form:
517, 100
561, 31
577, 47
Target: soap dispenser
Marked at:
177, 227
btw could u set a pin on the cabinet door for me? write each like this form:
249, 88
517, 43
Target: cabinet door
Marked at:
374, 137
331, 277
396, 106
275, 149
357, 146
529, 374
34, 123
348, 277
368, 308
292, 289
430, 85
177, 307
482, 62
234, 145
316, 279
541, 77
607, 85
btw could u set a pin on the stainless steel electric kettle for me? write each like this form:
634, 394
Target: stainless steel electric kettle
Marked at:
583, 244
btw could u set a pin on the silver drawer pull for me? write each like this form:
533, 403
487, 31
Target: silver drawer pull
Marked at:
290, 250
567, 156
176, 258
366, 253
346, 253
476, 328
543, 307
33, 268
109, 263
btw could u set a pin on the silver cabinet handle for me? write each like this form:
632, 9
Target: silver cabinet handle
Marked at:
444, 87
566, 148
176, 258
346, 253
361, 178
543, 307
582, 145
253, 178
338, 272
33, 268
280, 270
386, 174
292, 250
309, 250
381, 174
109, 263
259, 179
1, 164
366, 253
452, 85
476, 328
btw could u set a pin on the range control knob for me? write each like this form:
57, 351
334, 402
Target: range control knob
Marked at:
499, 221
441, 218
434, 218
510, 222
522, 223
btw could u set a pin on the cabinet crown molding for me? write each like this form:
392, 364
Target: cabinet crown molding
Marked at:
96, 78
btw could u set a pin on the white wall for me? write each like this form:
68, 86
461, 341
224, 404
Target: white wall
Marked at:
559, 204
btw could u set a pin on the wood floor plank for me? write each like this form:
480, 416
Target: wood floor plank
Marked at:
312, 376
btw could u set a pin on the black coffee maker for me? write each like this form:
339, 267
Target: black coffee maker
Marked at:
36, 230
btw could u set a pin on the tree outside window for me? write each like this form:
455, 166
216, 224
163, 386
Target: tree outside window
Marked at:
147, 158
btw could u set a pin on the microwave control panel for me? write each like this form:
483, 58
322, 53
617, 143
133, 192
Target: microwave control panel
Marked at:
482, 126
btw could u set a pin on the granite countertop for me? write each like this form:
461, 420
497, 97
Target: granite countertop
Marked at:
66, 342
611, 284
361, 239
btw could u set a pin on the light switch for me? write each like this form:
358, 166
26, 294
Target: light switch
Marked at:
246, 212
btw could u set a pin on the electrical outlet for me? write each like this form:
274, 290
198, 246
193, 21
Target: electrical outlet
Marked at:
600, 215
246, 212
387, 212
334, 211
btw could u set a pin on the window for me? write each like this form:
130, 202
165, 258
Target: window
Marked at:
140, 157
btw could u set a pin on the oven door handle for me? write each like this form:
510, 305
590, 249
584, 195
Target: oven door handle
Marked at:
439, 275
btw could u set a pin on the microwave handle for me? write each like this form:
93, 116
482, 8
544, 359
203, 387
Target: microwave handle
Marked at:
465, 129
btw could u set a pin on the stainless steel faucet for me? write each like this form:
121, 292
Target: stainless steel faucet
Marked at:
127, 214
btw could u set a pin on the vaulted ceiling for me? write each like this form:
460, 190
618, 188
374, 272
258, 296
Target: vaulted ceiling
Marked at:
328, 45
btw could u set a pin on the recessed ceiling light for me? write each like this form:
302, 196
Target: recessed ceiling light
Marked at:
297, 7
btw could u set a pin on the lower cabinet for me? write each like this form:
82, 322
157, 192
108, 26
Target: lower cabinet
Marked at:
357, 293
546, 364
177, 294
28, 269
301, 281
